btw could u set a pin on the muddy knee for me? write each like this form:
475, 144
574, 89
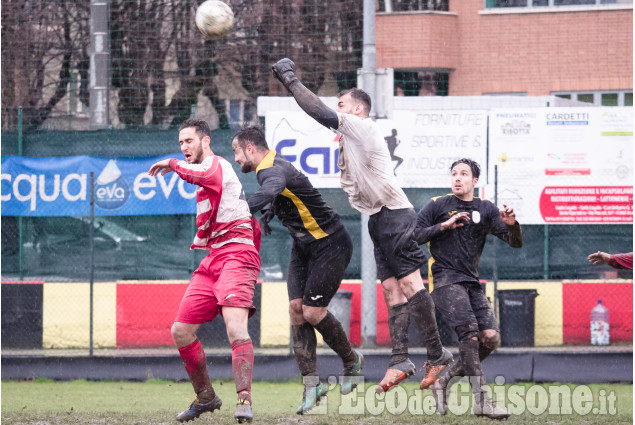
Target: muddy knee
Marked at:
295, 311
313, 315
490, 338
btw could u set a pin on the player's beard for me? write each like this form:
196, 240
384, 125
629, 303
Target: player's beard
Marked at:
197, 156
246, 167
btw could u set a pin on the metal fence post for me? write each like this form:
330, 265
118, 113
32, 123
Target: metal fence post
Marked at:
369, 270
494, 265
20, 224
546, 253
91, 245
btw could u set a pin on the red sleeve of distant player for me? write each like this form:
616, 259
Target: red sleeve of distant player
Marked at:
622, 261
197, 174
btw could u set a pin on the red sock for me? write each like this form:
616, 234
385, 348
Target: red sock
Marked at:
242, 366
196, 366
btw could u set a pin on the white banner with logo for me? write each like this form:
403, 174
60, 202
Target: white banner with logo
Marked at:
422, 144
564, 165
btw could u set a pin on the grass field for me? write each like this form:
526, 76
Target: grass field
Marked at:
157, 402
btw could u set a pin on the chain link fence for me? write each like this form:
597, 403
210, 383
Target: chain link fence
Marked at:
162, 72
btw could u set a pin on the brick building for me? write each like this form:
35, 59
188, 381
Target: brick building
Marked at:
576, 49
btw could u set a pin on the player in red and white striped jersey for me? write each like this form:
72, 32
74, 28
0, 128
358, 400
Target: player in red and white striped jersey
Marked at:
225, 280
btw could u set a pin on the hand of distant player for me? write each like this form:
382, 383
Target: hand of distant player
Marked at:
457, 220
599, 258
162, 166
508, 215
283, 71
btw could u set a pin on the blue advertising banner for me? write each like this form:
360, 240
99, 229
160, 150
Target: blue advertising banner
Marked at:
60, 186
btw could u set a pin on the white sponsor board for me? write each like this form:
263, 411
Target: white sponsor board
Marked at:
428, 142
564, 165
423, 144
308, 145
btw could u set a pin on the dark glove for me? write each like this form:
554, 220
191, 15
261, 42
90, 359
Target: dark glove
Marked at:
283, 71
266, 217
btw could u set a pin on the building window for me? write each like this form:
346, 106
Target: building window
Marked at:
609, 99
600, 98
549, 3
391, 6
240, 111
345, 79
422, 83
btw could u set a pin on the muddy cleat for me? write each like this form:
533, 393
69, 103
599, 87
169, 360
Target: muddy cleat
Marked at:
196, 409
311, 398
348, 383
434, 370
485, 406
395, 375
440, 393
243, 411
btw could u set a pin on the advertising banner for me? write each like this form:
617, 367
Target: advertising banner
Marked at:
422, 145
564, 165
61, 187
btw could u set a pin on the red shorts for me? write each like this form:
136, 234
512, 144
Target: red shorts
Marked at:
226, 277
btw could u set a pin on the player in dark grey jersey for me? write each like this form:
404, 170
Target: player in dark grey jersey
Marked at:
455, 226
322, 249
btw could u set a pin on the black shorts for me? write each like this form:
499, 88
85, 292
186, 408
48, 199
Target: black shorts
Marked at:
396, 253
464, 303
317, 268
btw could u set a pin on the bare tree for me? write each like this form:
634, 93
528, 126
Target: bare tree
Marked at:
41, 43
159, 61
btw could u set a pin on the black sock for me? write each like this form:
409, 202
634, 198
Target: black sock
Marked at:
471, 365
484, 351
456, 367
335, 337
304, 346
398, 324
421, 309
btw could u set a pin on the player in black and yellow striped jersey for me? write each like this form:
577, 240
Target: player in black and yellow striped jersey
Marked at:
322, 249
456, 226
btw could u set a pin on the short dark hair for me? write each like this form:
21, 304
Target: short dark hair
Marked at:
251, 135
476, 169
359, 95
201, 127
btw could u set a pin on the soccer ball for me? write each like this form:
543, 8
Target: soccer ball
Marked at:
214, 18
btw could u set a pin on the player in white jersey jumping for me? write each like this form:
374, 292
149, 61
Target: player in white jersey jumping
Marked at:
368, 178
225, 280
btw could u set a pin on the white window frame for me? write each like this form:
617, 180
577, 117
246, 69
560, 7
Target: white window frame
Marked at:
551, 7
597, 95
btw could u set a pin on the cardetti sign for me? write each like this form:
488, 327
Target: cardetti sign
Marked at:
61, 187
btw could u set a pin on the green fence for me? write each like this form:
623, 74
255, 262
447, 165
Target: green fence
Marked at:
157, 246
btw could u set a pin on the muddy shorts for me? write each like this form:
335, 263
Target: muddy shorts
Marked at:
464, 303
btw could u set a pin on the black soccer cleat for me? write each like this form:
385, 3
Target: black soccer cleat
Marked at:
196, 409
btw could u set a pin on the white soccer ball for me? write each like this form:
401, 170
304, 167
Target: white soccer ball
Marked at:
214, 18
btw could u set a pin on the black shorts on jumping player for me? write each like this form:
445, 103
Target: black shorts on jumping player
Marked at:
316, 268
396, 253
